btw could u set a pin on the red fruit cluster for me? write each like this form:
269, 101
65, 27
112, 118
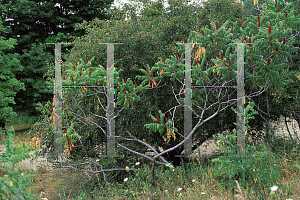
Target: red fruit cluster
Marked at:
196, 63
250, 42
202, 32
163, 59
42, 103
176, 57
85, 61
222, 56
166, 119
269, 60
135, 85
231, 31
217, 25
270, 29
240, 23
74, 67
157, 119
258, 19
229, 62
72, 78
216, 53
284, 41
90, 72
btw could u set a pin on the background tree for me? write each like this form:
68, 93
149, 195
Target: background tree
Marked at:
36, 23
250, 8
221, 10
9, 85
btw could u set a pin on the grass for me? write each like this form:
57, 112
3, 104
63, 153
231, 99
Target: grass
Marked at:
195, 180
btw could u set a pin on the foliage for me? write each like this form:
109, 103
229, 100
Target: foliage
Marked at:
36, 22
250, 8
14, 183
220, 11
246, 171
144, 40
9, 85
32, 76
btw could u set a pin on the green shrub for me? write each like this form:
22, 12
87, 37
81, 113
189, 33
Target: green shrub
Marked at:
14, 182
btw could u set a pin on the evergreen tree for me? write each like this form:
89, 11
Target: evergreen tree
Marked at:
36, 23
9, 85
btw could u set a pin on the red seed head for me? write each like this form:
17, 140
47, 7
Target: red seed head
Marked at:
117, 84
125, 91
125, 81
166, 119
270, 29
196, 62
135, 85
72, 78
85, 61
162, 58
240, 23
250, 42
276, 1
278, 9
74, 67
222, 56
76, 64
217, 25
284, 40
42, 103
229, 62
285, 14
216, 53
80, 73
157, 119
90, 72
202, 32
252, 71
184, 41
258, 19
176, 57
64, 77
269, 61
231, 31
279, 72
